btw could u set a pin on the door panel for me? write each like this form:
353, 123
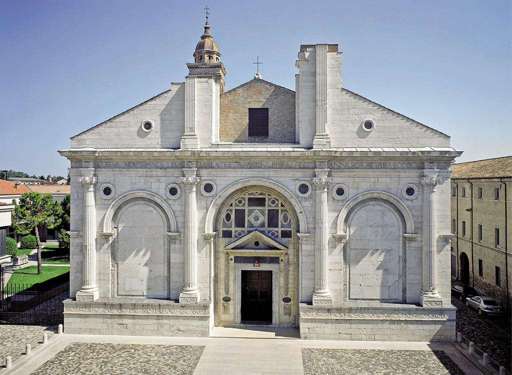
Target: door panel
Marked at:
257, 297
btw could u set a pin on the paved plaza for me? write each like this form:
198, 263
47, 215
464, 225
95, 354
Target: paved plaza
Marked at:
230, 352
13, 339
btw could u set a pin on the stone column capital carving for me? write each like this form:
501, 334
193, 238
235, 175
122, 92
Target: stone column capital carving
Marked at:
87, 181
189, 180
340, 237
321, 179
432, 178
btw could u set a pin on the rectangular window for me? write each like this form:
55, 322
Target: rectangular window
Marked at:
454, 226
454, 191
463, 192
480, 193
496, 237
463, 229
497, 194
480, 232
258, 122
497, 275
480, 268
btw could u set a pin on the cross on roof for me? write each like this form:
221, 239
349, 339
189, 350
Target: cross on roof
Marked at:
206, 13
258, 63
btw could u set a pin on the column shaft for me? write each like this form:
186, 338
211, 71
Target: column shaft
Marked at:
190, 293
321, 295
89, 290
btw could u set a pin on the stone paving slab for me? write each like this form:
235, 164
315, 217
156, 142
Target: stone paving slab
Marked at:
123, 359
361, 361
14, 337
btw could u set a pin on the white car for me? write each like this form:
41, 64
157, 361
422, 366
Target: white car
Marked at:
484, 305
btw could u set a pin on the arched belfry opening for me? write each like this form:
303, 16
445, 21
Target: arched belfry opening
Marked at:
256, 259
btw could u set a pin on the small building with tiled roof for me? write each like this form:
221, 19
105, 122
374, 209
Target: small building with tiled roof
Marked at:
481, 209
58, 192
9, 192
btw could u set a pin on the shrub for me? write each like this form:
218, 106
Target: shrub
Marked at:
28, 242
10, 246
63, 239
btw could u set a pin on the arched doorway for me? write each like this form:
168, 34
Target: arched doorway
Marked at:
140, 252
464, 269
256, 259
374, 257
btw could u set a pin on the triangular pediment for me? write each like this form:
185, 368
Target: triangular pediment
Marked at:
256, 240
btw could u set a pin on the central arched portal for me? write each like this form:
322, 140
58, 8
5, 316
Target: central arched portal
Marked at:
256, 259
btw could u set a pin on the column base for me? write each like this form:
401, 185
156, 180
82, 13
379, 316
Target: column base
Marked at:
321, 141
87, 295
189, 297
431, 299
322, 299
189, 141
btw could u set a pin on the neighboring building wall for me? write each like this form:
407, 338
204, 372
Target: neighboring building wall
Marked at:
234, 112
490, 214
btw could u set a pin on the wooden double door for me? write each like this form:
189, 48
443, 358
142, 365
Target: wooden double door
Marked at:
256, 297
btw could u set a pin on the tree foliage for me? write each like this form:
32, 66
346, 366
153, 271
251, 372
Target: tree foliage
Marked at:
35, 210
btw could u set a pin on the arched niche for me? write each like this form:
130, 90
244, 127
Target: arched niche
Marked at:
108, 220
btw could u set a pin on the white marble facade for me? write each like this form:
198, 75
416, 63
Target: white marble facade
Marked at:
352, 219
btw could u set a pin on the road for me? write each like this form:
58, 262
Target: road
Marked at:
492, 335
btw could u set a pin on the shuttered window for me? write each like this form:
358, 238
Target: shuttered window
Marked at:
258, 122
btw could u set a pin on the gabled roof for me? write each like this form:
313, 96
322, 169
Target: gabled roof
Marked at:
256, 236
487, 168
392, 111
257, 80
120, 114
11, 188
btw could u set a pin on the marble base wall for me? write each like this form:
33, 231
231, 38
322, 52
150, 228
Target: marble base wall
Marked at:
136, 319
408, 323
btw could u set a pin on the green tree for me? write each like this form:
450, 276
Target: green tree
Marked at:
33, 211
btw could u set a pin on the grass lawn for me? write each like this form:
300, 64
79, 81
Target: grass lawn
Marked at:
50, 246
20, 252
53, 254
28, 276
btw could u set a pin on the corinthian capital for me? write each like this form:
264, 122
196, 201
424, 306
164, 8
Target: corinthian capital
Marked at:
320, 181
88, 180
189, 180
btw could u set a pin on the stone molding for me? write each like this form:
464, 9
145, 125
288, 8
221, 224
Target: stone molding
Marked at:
135, 308
407, 312
108, 227
253, 182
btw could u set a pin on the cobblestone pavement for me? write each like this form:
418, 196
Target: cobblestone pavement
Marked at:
362, 361
123, 359
14, 337
489, 334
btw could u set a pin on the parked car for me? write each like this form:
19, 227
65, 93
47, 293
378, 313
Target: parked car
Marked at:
463, 291
484, 305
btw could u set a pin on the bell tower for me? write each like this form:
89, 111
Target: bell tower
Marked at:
203, 87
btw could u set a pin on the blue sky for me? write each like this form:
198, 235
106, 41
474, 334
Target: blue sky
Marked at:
67, 65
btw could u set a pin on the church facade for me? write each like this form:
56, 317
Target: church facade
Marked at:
315, 208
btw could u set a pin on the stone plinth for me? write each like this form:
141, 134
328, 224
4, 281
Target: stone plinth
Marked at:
378, 322
136, 317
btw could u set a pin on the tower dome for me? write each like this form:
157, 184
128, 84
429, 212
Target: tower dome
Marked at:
207, 50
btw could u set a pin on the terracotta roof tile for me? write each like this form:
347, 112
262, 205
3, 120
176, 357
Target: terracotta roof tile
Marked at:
51, 189
12, 188
487, 168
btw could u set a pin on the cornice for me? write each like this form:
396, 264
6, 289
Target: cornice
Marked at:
261, 153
